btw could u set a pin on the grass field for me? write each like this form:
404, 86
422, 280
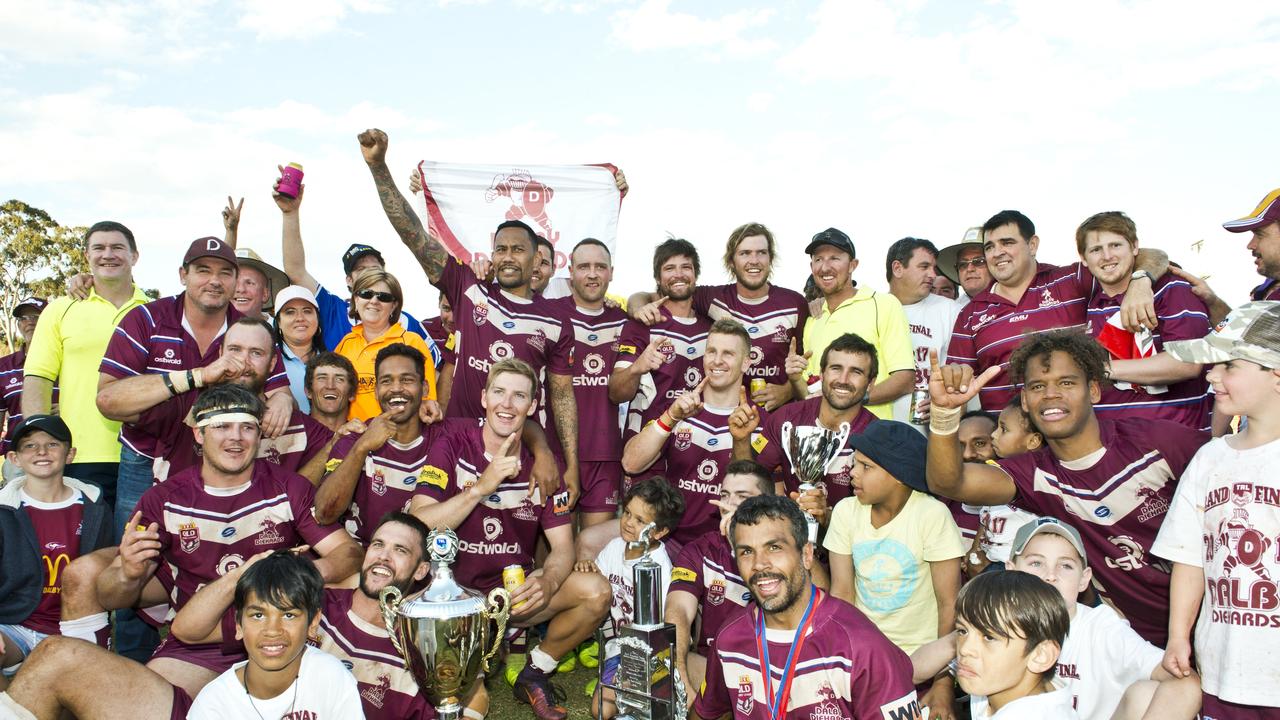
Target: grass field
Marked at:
502, 705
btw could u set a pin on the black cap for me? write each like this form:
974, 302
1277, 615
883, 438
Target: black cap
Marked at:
51, 424
832, 237
898, 448
357, 251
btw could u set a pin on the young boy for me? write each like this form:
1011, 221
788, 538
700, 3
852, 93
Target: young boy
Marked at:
651, 501
277, 606
46, 521
997, 524
1221, 529
1009, 630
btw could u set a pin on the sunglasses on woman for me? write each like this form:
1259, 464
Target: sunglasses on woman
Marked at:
371, 294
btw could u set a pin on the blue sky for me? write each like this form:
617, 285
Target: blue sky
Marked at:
883, 119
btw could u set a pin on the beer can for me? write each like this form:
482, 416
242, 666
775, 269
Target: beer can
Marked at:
290, 180
757, 384
919, 416
512, 578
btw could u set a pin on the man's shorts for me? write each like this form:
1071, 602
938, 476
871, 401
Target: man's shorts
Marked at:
23, 638
601, 482
1213, 708
181, 704
206, 655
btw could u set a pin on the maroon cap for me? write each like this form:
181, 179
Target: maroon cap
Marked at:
209, 247
1267, 212
32, 302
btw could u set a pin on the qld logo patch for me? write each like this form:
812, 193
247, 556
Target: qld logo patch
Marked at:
188, 537
746, 696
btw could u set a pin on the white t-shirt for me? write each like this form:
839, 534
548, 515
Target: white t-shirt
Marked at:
1225, 519
930, 322
1054, 705
1101, 657
621, 575
324, 688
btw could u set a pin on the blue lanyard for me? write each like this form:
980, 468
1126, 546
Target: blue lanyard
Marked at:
778, 702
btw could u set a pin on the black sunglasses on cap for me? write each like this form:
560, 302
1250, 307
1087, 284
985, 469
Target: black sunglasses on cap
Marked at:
371, 294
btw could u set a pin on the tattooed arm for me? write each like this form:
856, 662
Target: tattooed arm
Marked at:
427, 248
566, 410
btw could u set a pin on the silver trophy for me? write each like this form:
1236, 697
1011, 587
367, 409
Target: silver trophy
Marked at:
448, 634
811, 450
646, 685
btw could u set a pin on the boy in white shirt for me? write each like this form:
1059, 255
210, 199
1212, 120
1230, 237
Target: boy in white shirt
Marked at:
277, 606
1222, 528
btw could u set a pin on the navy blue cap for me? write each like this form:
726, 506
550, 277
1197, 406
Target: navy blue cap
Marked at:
357, 251
833, 237
51, 424
898, 448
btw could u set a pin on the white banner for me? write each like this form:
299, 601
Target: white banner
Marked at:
563, 203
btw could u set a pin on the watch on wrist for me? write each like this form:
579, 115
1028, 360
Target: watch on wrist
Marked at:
1142, 274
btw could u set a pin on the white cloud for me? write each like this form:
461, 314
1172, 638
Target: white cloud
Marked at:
285, 19
759, 101
654, 26
74, 31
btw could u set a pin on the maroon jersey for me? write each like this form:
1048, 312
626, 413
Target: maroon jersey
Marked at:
178, 449
846, 668
707, 570
1268, 290
492, 325
1117, 499
151, 339
387, 689
772, 321
595, 346
967, 518
805, 413
1182, 316
391, 476
57, 527
681, 368
503, 528
990, 327
697, 451
442, 338
205, 532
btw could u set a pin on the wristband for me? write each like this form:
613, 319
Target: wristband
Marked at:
169, 384
944, 421
195, 381
665, 428
178, 381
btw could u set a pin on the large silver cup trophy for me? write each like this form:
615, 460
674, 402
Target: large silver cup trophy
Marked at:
646, 685
811, 450
448, 634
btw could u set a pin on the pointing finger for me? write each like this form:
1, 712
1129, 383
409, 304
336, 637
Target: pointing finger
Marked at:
505, 449
792, 349
742, 395
933, 361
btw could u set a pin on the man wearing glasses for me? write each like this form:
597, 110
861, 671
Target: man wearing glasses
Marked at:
965, 265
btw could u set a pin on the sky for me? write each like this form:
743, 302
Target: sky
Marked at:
882, 119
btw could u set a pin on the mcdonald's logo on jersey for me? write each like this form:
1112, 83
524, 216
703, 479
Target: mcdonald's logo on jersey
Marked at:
53, 567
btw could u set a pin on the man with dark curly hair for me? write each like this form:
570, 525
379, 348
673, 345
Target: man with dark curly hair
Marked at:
1110, 479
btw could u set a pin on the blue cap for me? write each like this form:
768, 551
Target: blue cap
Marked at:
898, 448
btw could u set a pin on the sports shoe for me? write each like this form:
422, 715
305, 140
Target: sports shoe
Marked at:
568, 664
534, 689
589, 654
515, 663
590, 689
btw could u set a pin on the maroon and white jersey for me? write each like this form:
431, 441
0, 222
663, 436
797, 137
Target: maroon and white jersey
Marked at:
846, 669
681, 368
387, 689
178, 449
1117, 498
503, 528
707, 570
153, 338
770, 454
492, 325
1182, 316
990, 327
57, 527
204, 532
389, 479
11, 379
696, 452
773, 321
442, 338
595, 346
967, 517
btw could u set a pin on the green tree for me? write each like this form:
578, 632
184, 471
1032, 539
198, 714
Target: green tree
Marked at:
39, 256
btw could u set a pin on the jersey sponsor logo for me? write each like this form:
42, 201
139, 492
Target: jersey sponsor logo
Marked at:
188, 537
1047, 299
763, 372
1018, 318
538, 340
229, 562
228, 532
715, 593
500, 350
756, 356
759, 443
699, 487
332, 464
593, 363
683, 575
508, 324
1102, 511
492, 528
432, 475
167, 359
780, 334
560, 503
375, 695
712, 442
269, 535
168, 353
708, 469
630, 349
379, 484
692, 376
684, 437
488, 548
480, 313
1132, 554
53, 567
906, 707
584, 381
476, 363
746, 696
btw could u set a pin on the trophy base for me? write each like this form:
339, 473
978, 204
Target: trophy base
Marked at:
644, 685
449, 710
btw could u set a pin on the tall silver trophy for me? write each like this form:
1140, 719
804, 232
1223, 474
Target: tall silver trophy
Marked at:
811, 450
448, 634
646, 685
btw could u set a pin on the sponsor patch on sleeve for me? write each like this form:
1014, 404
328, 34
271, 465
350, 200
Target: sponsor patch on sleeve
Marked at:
906, 707
560, 503
332, 464
759, 442
432, 475
683, 574
630, 349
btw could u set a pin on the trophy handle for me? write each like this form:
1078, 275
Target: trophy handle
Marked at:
498, 609
842, 436
389, 602
786, 436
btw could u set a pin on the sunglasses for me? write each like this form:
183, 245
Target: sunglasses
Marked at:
371, 294
976, 262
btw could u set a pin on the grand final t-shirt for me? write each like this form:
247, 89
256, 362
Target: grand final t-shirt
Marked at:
845, 669
930, 322
1101, 657
1116, 498
1225, 520
503, 528
772, 321
323, 690
804, 413
707, 570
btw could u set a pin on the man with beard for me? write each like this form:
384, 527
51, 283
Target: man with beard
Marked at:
330, 383
832, 661
188, 531
773, 316
1264, 224
247, 351
705, 586
965, 266
848, 365
503, 319
658, 363
477, 483
351, 623
910, 268
544, 267
692, 433
1112, 480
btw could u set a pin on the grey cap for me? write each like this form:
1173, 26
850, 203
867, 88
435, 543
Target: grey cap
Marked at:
1251, 332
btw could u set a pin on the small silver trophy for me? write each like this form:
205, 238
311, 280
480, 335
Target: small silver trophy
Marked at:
445, 634
646, 685
811, 450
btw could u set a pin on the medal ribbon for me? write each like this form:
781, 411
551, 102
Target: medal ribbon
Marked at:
779, 702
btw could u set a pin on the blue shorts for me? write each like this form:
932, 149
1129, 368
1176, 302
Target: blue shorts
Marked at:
24, 639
